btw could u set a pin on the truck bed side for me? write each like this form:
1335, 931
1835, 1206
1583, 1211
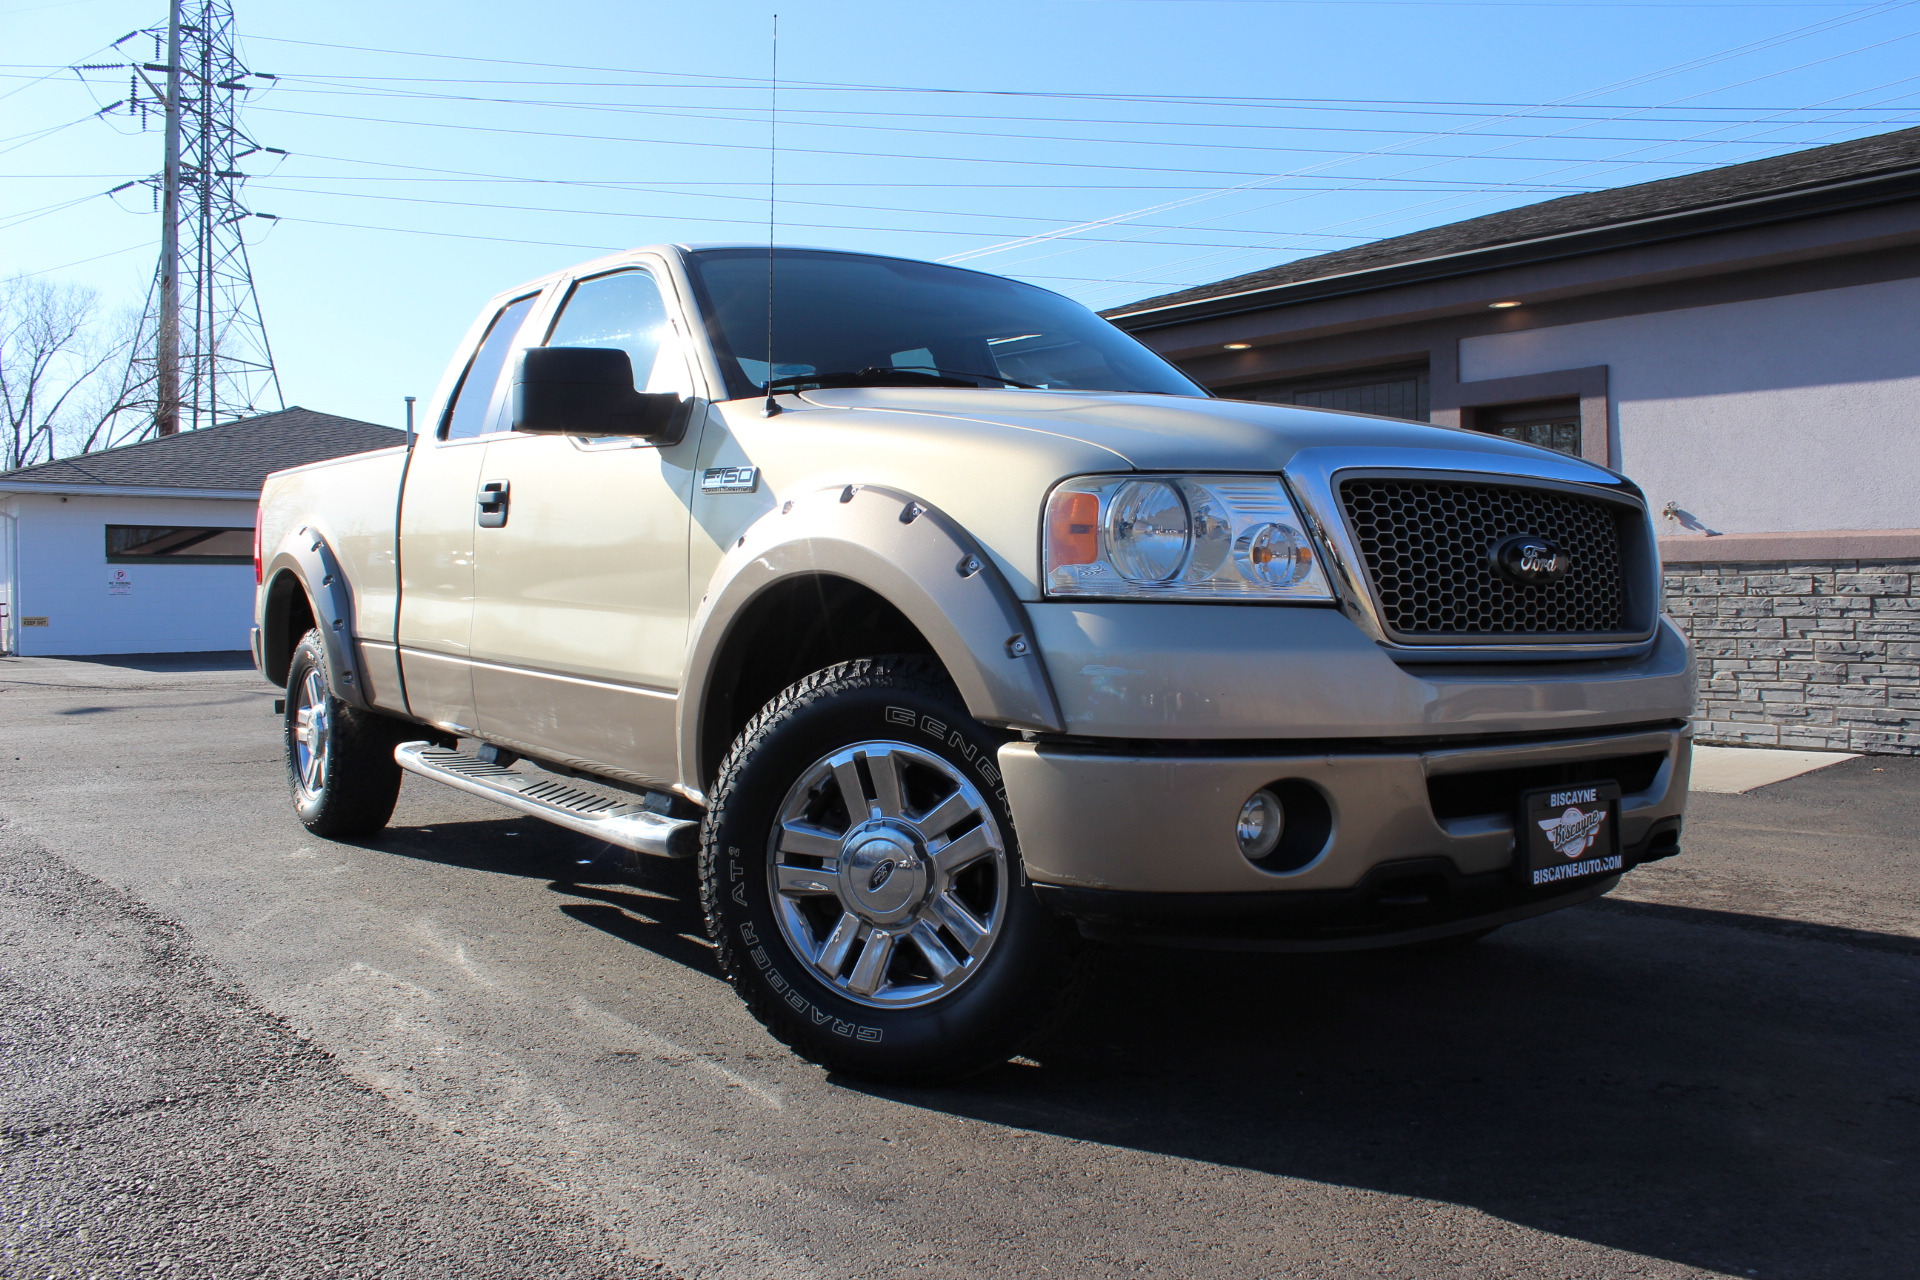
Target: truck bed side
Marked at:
350, 502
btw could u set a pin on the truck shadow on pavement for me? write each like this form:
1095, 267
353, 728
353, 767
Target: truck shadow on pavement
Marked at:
1723, 1100
656, 907
1721, 1093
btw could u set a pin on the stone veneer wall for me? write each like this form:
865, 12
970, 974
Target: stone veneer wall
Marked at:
1818, 655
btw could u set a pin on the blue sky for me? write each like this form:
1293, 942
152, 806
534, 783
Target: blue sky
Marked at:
1110, 149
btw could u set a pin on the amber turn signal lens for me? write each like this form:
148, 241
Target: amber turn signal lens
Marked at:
1073, 529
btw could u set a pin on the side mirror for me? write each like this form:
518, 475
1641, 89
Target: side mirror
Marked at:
588, 391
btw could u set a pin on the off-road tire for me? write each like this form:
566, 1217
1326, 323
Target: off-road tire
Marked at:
1025, 979
358, 782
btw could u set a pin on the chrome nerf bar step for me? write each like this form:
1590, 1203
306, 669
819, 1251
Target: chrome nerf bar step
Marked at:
619, 822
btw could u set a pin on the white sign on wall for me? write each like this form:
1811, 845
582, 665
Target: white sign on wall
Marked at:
119, 584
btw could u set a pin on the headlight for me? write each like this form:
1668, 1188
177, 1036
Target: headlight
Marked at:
1149, 531
1160, 537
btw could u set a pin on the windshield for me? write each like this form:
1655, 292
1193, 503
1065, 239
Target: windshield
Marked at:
855, 320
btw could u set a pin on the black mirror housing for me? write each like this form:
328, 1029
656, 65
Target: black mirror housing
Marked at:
588, 391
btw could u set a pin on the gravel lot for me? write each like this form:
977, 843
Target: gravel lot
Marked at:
229, 1048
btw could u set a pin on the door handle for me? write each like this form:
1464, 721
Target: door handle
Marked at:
492, 501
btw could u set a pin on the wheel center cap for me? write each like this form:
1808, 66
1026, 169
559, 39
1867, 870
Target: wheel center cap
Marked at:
883, 873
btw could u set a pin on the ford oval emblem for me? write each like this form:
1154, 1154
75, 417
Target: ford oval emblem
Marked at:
881, 874
1531, 561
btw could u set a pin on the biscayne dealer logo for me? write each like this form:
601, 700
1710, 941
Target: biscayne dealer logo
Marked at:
1573, 832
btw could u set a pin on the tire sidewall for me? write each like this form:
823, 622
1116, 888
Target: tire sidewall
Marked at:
980, 1022
307, 658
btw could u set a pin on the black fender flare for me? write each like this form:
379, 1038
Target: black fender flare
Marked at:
306, 556
916, 558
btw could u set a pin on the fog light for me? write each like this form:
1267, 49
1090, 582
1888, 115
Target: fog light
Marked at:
1261, 822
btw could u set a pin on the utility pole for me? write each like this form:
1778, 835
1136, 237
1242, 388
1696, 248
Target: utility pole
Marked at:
166, 411
201, 352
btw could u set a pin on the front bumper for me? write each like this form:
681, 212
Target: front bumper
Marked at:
1414, 842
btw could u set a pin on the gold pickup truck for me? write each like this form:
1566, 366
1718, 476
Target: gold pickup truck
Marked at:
949, 627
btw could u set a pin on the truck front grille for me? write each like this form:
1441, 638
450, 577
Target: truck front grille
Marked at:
1428, 549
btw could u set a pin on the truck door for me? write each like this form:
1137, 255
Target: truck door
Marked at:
436, 533
580, 579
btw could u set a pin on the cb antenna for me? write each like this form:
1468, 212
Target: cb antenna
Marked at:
773, 157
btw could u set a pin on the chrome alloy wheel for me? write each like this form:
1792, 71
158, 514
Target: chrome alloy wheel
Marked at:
312, 730
888, 873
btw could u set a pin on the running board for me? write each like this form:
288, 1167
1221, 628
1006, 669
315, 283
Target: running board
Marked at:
622, 823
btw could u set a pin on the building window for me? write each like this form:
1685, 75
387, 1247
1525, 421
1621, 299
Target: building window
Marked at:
1399, 391
1551, 424
178, 544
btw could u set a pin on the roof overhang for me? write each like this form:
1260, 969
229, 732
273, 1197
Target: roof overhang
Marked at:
75, 489
1806, 202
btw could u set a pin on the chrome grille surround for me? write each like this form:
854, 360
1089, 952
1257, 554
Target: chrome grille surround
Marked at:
1316, 475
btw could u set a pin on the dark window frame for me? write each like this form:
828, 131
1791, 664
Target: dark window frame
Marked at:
1289, 390
1528, 420
157, 532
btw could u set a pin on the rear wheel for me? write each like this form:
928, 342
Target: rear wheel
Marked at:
339, 758
863, 884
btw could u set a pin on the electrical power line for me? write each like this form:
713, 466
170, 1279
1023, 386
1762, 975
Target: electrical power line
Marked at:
669, 113
1692, 64
751, 82
1267, 115
1819, 107
1365, 106
605, 248
749, 222
822, 151
343, 87
1448, 184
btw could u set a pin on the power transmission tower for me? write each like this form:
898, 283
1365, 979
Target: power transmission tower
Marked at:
200, 355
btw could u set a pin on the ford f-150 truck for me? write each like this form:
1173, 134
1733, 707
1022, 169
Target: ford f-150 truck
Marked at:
947, 626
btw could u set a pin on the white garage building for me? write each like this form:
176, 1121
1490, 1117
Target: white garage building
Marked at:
149, 548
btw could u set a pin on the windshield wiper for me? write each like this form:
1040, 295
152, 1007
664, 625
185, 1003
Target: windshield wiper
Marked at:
876, 376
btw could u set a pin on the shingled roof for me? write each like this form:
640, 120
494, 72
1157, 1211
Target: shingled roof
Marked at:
234, 455
1802, 170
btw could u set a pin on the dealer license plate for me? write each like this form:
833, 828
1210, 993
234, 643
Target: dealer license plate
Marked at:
1569, 832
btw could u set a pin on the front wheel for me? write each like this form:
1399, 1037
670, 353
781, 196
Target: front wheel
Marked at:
863, 885
339, 758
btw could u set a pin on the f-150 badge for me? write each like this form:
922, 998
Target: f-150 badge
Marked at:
730, 479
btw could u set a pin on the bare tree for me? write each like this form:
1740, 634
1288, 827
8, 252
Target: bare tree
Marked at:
58, 359
117, 407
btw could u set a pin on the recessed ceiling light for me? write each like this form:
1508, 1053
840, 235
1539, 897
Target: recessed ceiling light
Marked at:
1502, 306
1239, 346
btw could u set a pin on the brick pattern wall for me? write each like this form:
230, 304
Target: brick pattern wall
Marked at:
1818, 656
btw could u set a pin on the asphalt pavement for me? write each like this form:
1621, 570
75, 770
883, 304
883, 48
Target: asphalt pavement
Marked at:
465, 1049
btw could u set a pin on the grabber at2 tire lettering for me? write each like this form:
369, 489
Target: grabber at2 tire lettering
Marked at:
863, 885
340, 763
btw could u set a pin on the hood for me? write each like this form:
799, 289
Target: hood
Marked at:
1177, 433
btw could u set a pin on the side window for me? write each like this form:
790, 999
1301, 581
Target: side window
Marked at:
625, 310
468, 417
